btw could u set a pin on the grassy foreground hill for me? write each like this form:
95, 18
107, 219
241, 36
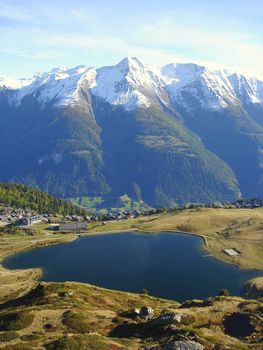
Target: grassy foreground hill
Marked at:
73, 316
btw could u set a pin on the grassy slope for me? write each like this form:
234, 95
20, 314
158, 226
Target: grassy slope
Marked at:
99, 310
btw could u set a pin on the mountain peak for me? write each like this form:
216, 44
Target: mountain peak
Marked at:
131, 62
59, 69
182, 71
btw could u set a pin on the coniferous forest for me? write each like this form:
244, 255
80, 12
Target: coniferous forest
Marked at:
21, 196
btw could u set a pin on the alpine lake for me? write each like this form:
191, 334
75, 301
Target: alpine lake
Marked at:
167, 265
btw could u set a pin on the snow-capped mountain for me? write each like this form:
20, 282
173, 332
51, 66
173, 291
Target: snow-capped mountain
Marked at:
164, 135
133, 83
60, 85
247, 90
8, 83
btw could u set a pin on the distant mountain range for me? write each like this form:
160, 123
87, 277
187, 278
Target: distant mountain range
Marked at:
175, 134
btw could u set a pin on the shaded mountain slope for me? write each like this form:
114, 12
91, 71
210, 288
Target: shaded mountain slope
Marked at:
162, 135
154, 158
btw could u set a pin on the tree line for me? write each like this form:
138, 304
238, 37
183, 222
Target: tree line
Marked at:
21, 196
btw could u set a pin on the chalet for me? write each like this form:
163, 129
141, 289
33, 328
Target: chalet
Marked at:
30, 220
75, 227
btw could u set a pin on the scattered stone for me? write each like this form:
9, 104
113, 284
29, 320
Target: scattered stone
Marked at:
182, 334
132, 313
146, 312
183, 345
219, 347
50, 327
197, 303
167, 319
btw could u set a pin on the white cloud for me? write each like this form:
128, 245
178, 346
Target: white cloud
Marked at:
218, 48
47, 32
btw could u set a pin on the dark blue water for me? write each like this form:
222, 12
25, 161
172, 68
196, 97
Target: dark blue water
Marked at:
169, 265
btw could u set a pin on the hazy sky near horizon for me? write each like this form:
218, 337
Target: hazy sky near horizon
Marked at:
38, 35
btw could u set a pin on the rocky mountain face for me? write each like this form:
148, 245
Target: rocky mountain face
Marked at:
175, 134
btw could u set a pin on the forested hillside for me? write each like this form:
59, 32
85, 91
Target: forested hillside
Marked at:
22, 196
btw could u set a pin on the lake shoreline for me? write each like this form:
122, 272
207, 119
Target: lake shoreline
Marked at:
211, 244
79, 269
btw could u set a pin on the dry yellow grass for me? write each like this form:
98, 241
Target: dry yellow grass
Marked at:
101, 310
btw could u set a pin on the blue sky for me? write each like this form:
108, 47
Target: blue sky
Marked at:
38, 35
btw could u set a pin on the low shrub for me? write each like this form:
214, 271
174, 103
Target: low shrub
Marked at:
30, 337
91, 342
8, 336
145, 291
15, 321
66, 343
19, 346
76, 322
223, 293
188, 319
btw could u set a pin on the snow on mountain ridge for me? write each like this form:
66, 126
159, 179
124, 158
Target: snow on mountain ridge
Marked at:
13, 84
60, 85
133, 83
248, 89
129, 83
214, 89
182, 73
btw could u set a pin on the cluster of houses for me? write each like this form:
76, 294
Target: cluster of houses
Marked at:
27, 217
76, 218
78, 224
249, 203
12, 215
240, 203
21, 217
123, 215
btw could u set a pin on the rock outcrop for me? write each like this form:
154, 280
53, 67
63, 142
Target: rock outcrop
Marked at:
253, 288
179, 345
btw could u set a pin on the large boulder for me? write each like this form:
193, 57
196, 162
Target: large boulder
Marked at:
183, 345
167, 319
132, 313
178, 345
146, 312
